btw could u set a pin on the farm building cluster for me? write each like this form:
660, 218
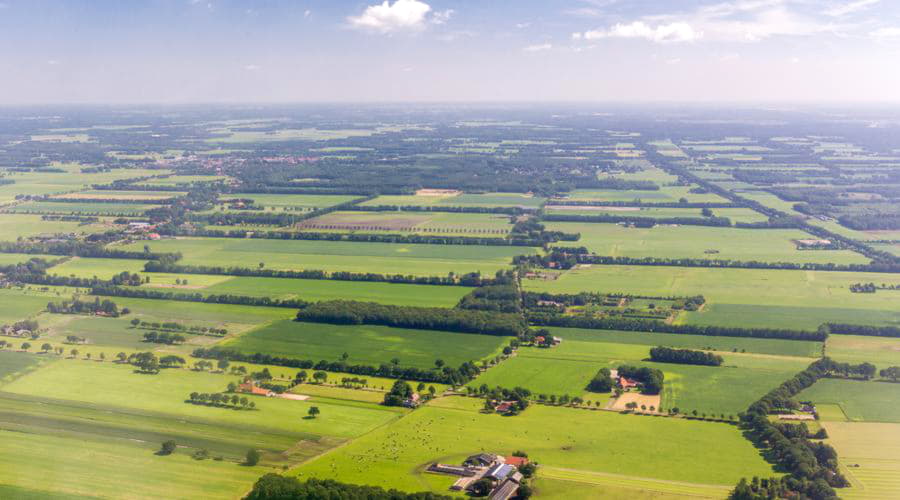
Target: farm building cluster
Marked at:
500, 473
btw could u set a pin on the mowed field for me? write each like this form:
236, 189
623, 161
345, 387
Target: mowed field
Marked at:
699, 242
870, 458
567, 369
575, 444
367, 344
461, 200
861, 401
880, 351
76, 208
743, 297
665, 194
387, 258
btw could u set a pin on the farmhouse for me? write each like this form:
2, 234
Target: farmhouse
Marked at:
481, 459
251, 388
505, 477
626, 383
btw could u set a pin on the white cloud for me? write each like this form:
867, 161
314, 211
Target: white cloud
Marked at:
673, 61
661, 33
522, 26
850, 8
307, 13
52, 62
892, 33
441, 17
795, 60
538, 47
387, 17
729, 57
251, 67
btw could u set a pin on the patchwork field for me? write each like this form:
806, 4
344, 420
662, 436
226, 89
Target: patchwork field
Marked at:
484, 225
665, 194
93, 194
577, 442
461, 200
698, 242
101, 268
743, 297
14, 226
367, 344
304, 201
64, 208
388, 258
880, 351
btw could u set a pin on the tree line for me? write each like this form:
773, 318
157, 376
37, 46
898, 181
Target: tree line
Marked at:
640, 221
445, 375
868, 330
441, 208
684, 356
350, 312
143, 293
275, 487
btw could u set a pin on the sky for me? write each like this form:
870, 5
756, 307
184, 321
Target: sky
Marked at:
197, 51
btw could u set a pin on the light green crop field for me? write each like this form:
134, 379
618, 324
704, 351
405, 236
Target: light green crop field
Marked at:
870, 458
13, 364
700, 242
334, 392
880, 351
795, 348
14, 226
174, 180
653, 212
120, 195
315, 290
65, 208
7, 259
387, 258
101, 268
110, 384
41, 183
191, 312
861, 401
462, 200
743, 297
464, 224
87, 468
567, 369
579, 441
367, 344
665, 194
16, 305
293, 200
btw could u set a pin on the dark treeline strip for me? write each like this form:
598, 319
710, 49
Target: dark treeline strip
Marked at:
501, 298
275, 487
672, 204
140, 187
531, 299
560, 260
350, 312
446, 375
684, 356
301, 190
868, 330
439, 208
617, 184
649, 325
70, 218
80, 249
640, 221
164, 266
143, 293
813, 465
865, 222
407, 239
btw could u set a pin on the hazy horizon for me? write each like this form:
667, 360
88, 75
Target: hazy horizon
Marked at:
440, 51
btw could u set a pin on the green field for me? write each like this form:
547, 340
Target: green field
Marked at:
567, 369
388, 258
65, 208
666, 194
367, 344
306, 201
870, 458
579, 441
743, 297
14, 226
7, 259
16, 304
97, 268
120, 195
861, 401
13, 364
462, 200
699, 242
880, 351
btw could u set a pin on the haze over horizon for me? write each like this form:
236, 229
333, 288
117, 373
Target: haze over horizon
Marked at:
182, 51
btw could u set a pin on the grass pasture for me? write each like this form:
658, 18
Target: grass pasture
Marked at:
464, 224
699, 242
14, 226
366, 344
880, 351
860, 401
101, 268
16, 305
76, 208
303, 201
93, 194
388, 258
743, 297
665, 194
461, 200
577, 442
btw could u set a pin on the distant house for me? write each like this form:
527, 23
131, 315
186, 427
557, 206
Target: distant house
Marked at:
505, 491
251, 388
499, 472
626, 383
505, 406
515, 461
413, 401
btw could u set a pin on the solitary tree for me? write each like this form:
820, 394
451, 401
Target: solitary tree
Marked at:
168, 447
46, 347
26, 346
313, 411
252, 457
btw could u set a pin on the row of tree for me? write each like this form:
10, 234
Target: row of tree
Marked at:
221, 400
164, 338
351, 312
105, 307
275, 487
640, 221
144, 293
684, 356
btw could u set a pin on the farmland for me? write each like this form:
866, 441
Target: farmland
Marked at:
388, 258
366, 344
860, 401
870, 452
412, 222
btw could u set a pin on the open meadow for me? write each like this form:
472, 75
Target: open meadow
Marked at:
464, 224
577, 442
387, 258
860, 401
870, 458
367, 344
880, 351
743, 297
